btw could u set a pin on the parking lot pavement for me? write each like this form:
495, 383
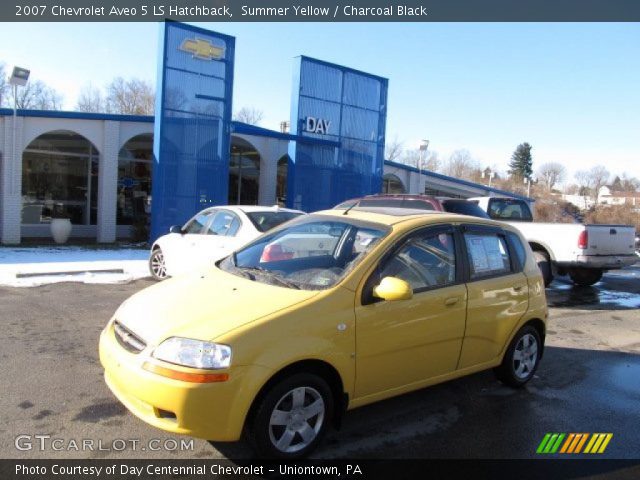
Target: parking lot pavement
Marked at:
587, 382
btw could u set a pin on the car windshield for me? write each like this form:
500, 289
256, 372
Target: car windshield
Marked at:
464, 208
311, 253
264, 221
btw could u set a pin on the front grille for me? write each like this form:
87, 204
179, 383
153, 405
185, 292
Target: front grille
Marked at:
127, 339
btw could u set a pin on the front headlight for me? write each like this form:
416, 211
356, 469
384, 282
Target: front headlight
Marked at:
193, 353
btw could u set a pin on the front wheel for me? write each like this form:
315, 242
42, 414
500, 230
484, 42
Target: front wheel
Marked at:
292, 417
157, 265
521, 358
585, 277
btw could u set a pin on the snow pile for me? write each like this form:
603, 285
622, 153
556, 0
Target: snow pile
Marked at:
33, 266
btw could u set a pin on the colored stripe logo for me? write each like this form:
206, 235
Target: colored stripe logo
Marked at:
574, 443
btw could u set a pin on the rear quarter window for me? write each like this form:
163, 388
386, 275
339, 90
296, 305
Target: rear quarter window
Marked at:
518, 247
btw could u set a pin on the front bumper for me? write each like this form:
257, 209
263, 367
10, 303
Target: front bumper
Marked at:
213, 411
605, 262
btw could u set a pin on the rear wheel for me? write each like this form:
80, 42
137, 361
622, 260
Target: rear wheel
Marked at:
585, 277
544, 264
292, 417
157, 266
521, 358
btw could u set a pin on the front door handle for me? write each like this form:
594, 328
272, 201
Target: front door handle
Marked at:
451, 301
518, 288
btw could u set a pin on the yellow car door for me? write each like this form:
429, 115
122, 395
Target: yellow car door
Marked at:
498, 294
403, 343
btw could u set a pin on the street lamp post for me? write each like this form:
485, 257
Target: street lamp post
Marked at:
19, 78
424, 145
528, 181
489, 174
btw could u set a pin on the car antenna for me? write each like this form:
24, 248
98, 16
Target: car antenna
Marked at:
355, 204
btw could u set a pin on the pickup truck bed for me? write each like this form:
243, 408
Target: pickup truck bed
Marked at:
583, 252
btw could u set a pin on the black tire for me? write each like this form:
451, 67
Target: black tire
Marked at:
264, 436
544, 264
157, 267
514, 372
585, 277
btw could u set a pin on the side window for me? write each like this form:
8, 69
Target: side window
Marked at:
196, 225
424, 261
488, 254
509, 209
224, 223
521, 253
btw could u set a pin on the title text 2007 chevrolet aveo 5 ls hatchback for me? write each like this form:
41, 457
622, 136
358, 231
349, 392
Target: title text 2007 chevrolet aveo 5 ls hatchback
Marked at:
326, 313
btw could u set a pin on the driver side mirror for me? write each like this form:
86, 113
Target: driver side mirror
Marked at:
392, 288
176, 229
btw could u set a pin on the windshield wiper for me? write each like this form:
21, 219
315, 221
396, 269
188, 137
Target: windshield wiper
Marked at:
270, 274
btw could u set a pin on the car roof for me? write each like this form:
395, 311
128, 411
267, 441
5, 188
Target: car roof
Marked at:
385, 196
254, 208
395, 216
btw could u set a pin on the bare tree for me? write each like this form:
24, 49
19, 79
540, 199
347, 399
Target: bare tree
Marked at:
629, 184
598, 177
432, 162
130, 97
393, 150
5, 88
461, 165
551, 174
583, 183
90, 100
37, 95
250, 115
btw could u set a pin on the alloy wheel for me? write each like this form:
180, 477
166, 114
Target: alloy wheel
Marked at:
158, 267
296, 419
525, 356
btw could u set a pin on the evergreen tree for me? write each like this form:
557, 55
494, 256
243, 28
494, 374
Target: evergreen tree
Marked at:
521, 164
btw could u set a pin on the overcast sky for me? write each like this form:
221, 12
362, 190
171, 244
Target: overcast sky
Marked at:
571, 90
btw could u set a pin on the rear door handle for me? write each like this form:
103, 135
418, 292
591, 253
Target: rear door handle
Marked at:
517, 288
451, 301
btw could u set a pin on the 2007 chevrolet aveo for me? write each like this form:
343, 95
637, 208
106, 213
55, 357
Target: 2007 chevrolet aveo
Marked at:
326, 313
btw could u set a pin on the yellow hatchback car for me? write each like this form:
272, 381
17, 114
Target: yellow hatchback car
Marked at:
326, 313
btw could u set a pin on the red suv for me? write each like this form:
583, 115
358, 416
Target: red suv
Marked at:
417, 202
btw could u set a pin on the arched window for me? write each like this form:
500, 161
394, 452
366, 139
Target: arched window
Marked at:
244, 173
392, 184
60, 179
281, 185
135, 161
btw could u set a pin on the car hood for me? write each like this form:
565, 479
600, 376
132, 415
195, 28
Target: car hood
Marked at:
203, 306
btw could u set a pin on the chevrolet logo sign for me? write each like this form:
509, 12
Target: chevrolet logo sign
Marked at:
202, 49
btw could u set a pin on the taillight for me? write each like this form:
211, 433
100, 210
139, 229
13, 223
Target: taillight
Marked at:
583, 239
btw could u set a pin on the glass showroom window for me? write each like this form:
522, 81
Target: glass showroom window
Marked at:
244, 173
392, 184
135, 161
60, 179
281, 185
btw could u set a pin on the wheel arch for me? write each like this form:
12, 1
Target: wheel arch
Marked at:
314, 366
541, 247
541, 328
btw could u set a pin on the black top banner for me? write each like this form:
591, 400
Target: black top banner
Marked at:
320, 10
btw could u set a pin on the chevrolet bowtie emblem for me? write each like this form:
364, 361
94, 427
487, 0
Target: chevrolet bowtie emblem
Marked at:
202, 49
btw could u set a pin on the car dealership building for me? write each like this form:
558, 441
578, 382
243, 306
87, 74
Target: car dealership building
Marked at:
102, 171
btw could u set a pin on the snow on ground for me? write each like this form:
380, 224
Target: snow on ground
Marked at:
33, 266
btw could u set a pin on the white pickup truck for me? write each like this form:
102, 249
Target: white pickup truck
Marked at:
584, 252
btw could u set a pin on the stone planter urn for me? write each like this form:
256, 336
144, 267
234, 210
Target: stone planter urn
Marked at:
60, 229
